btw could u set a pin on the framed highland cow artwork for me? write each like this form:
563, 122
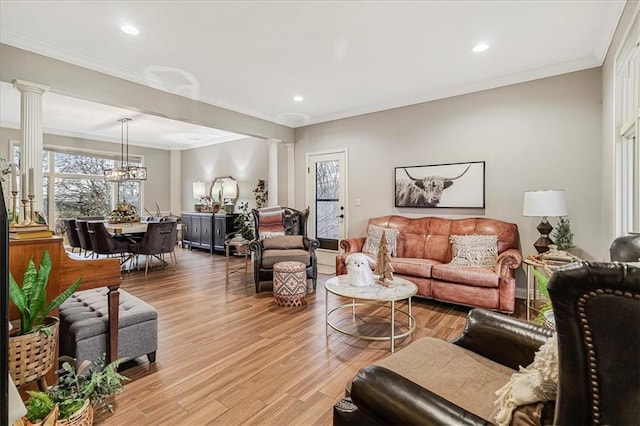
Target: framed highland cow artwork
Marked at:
455, 185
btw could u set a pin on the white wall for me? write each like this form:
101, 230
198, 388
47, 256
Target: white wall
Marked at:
245, 159
541, 134
157, 162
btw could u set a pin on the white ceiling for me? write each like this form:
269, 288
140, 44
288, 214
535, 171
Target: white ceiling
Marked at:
344, 57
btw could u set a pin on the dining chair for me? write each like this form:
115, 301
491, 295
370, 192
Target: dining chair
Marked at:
159, 239
103, 243
83, 237
72, 234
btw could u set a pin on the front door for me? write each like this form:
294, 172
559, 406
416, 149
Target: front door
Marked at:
327, 182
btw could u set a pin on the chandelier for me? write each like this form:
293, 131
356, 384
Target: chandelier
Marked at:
125, 171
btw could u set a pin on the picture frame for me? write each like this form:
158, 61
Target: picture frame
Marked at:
451, 185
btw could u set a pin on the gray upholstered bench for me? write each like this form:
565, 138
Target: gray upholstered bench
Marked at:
84, 325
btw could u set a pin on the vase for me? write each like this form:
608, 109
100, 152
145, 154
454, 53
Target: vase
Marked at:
626, 248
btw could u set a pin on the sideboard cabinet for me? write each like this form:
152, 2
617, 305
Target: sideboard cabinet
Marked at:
206, 230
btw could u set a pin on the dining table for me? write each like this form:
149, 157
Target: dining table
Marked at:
126, 228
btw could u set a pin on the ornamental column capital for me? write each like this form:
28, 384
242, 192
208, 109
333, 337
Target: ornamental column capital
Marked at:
27, 86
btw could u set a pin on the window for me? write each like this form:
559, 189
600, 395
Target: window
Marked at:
327, 203
627, 149
74, 185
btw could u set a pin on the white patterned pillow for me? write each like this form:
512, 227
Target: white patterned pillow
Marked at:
374, 235
474, 250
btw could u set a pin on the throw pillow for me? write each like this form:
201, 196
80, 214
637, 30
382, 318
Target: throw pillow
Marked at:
270, 222
474, 250
534, 383
374, 235
285, 242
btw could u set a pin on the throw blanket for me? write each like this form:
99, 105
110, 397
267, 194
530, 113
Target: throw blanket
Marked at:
270, 223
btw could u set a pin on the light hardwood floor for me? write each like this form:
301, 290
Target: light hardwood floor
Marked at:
228, 356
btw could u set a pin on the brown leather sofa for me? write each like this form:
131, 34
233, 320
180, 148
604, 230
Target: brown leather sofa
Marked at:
597, 311
423, 251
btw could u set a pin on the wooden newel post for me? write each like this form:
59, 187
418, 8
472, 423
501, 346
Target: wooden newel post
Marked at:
113, 303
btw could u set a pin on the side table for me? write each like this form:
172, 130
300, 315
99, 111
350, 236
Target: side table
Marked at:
242, 247
533, 294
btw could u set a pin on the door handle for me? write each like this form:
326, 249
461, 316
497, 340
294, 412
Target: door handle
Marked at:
341, 216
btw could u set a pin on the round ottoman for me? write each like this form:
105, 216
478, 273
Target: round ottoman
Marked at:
289, 283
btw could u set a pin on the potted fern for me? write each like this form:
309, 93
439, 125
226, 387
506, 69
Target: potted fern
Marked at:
37, 332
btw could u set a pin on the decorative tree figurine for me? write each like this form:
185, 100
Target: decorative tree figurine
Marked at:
563, 235
383, 269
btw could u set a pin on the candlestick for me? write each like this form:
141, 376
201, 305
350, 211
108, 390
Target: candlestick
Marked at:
23, 186
25, 220
31, 182
14, 208
14, 179
32, 219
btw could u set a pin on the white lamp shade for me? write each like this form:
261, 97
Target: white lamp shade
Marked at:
198, 190
230, 189
551, 203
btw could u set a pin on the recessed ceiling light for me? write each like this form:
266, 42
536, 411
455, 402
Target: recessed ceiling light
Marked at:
130, 29
480, 47
298, 98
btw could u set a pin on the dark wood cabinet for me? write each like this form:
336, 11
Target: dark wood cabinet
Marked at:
206, 230
224, 225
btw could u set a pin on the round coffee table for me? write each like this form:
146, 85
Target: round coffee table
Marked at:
397, 290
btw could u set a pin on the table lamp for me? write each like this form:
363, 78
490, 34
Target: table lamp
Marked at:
550, 203
198, 190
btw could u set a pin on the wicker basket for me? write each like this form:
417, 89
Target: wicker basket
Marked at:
31, 356
82, 417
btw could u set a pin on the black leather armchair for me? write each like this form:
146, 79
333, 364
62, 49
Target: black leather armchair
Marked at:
597, 309
294, 223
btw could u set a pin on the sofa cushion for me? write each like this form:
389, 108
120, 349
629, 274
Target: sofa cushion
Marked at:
283, 242
413, 267
374, 235
271, 257
444, 368
474, 250
470, 275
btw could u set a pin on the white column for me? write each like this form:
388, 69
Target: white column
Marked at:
291, 175
272, 184
175, 182
31, 145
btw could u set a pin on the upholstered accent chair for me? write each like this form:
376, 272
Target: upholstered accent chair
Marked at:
294, 245
159, 239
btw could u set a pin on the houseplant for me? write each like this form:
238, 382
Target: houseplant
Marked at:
37, 333
545, 313
261, 193
244, 222
76, 393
